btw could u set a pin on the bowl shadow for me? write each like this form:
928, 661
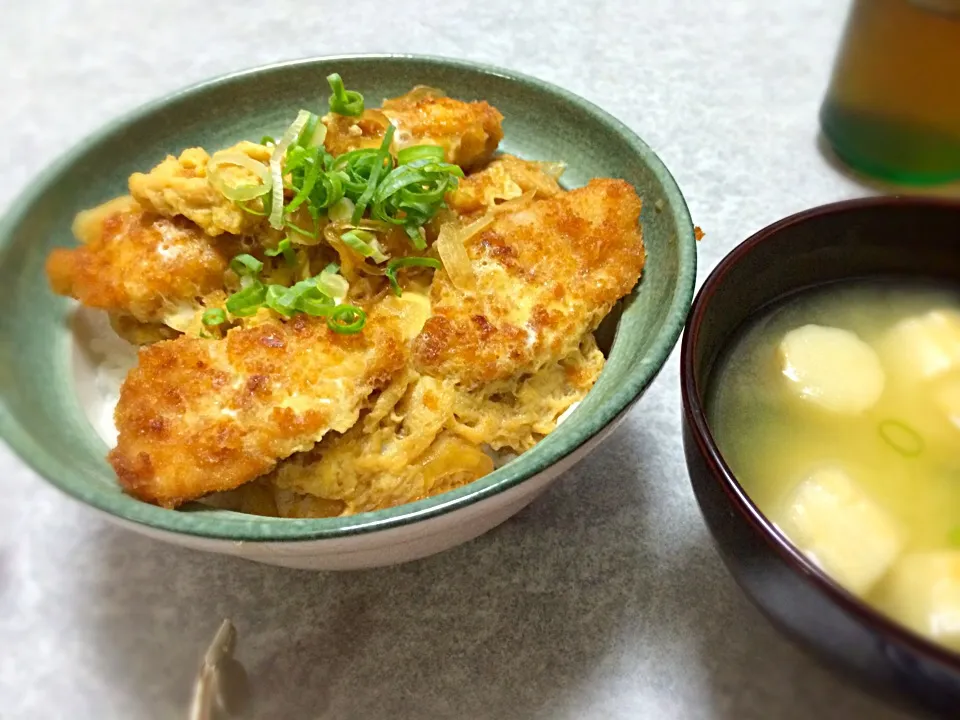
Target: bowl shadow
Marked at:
562, 612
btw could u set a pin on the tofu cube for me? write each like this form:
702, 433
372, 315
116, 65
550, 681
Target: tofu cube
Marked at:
923, 592
838, 526
831, 368
926, 346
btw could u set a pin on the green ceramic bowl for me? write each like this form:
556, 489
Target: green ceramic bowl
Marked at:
41, 415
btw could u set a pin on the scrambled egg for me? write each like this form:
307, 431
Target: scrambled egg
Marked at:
283, 416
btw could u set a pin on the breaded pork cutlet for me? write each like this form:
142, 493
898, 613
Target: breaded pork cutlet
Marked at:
544, 276
200, 415
139, 264
494, 366
469, 132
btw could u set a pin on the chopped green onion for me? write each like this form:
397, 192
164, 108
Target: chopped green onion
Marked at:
383, 156
214, 316
267, 140
299, 230
285, 248
246, 191
276, 169
420, 152
306, 135
413, 193
901, 437
347, 319
343, 101
364, 243
246, 264
328, 191
332, 284
399, 263
243, 206
248, 300
281, 299
316, 304
342, 210
355, 168
312, 159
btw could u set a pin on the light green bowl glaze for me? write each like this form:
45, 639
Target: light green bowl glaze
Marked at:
40, 415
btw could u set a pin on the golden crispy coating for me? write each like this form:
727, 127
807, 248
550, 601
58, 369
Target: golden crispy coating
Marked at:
138, 264
545, 275
505, 178
469, 132
197, 416
345, 133
180, 186
423, 436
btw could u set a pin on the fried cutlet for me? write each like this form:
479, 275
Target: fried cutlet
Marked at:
504, 178
201, 415
469, 132
545, 275
138, 264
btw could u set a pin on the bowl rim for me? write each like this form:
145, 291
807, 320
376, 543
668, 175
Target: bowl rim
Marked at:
261, 529
696, 419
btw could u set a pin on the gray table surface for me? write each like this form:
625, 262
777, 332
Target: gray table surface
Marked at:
606, 598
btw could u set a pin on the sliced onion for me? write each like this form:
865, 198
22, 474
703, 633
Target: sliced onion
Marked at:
468, 231
333, 284
276, 166
513, 204
454, 257
553, 169
238, 193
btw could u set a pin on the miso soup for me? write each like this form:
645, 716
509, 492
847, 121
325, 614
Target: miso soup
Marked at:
839, 412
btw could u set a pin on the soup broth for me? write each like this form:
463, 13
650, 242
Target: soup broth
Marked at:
839, 412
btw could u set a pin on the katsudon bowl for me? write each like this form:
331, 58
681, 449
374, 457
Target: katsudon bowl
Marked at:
52, 397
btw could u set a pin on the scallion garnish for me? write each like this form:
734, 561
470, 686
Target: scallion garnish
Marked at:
413, 193
247, 300
332, 284
280, 299
306, 135
309, 173
343, 101
420, 152
342, 210
364, 243
276, 166
347, 319
285, 248
245, 264
299, 230
399, 263
364, 183
901, 437
214, 316
383, 157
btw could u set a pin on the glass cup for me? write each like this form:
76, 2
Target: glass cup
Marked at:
892, 110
